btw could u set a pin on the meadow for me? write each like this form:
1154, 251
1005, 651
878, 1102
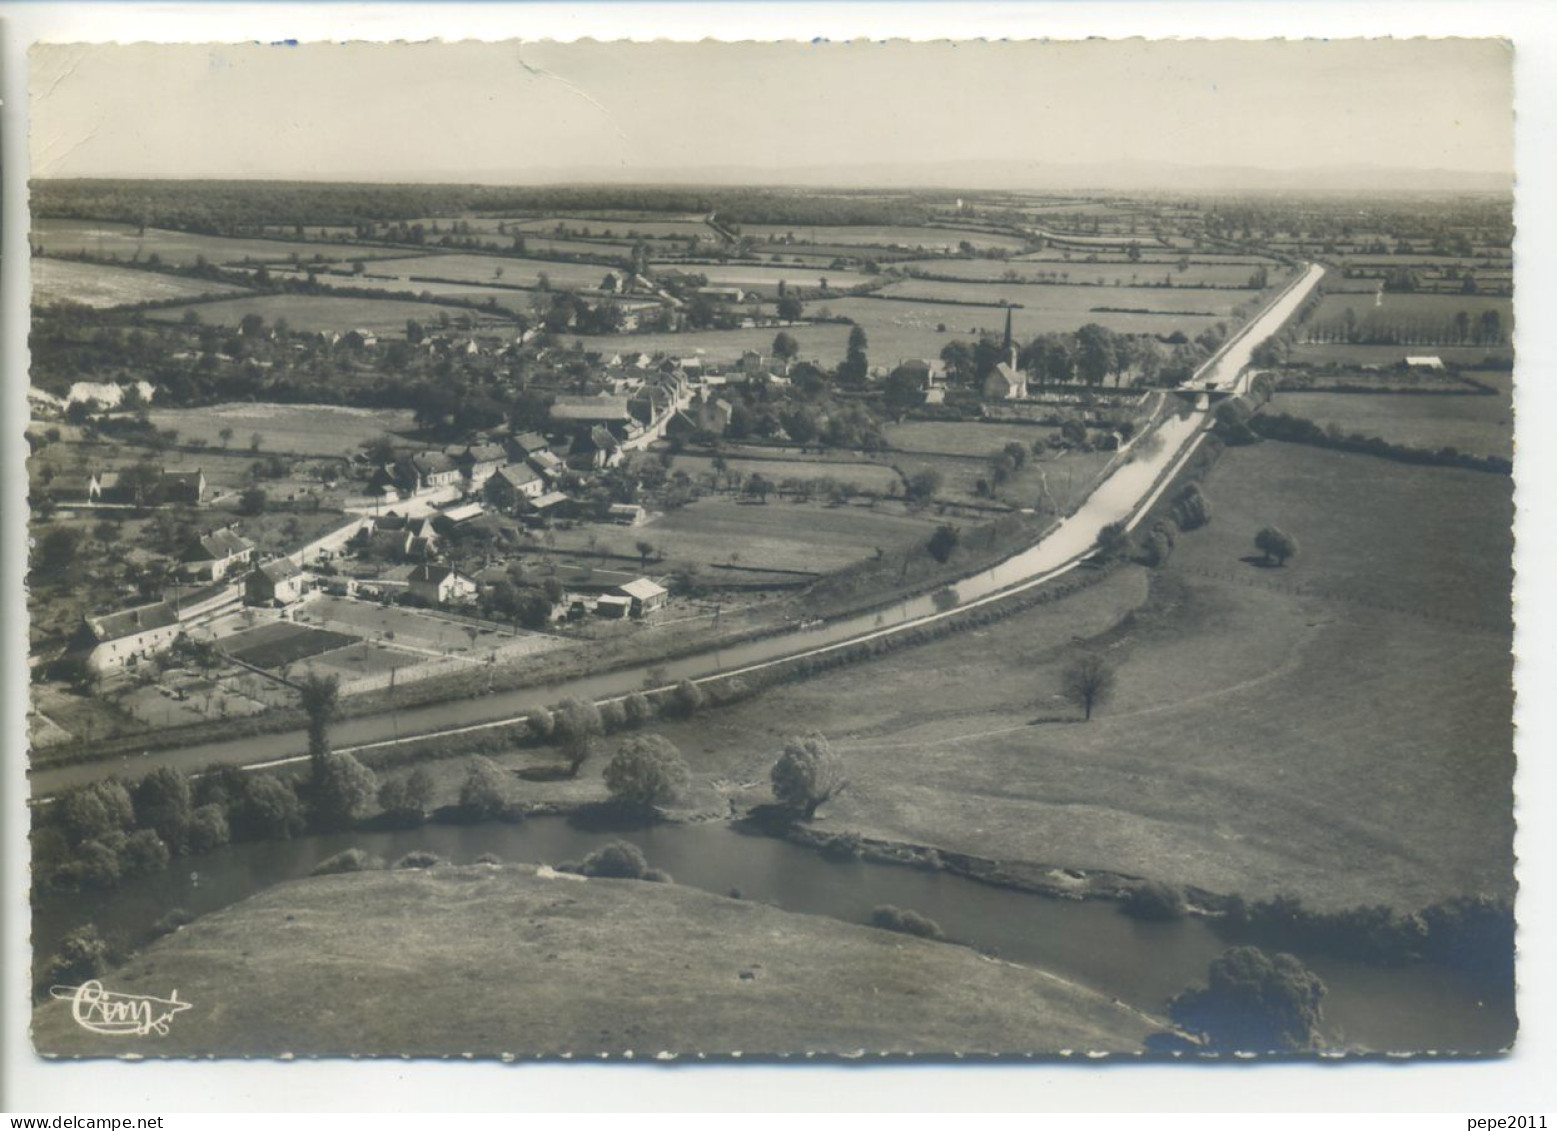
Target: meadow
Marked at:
863, 235
1349, 353
961, 438
863, 476
1077, 301
312, 430
322, 314
823, 343
1120, 273
1339, 729
767, 279
102, 287
1478, 425
102, 238
274, 646
492, 269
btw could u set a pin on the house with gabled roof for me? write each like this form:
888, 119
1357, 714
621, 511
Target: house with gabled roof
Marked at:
215, 555
114, 641
440, 585
275, 583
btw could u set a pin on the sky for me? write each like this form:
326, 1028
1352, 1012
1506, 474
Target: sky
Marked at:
517, 112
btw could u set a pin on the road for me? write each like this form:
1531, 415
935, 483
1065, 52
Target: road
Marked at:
1122, 497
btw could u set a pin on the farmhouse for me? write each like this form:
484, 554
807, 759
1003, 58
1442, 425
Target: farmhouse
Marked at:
512, 483
569, 410
440, 585
626, 514
477, 462
277, 583
552, 504
597, 448
115, 640
644, 596
1005, 383
456, 517
215, 555
184, 486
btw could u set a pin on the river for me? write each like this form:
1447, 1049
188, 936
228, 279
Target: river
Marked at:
1090, 942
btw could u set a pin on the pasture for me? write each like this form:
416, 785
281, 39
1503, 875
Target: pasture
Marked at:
767, 279
1075, 301
1350, 353
863, 476
493, 269
866, 235
104, 239
1338, 729
821, 342
1113, 273
321, 314
102, 287
311, 429
961, 438
1479, 425
778, 535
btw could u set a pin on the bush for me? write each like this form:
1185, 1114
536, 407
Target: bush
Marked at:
1156, 901
266, 808
646, 771
638, 709
419, 859
1191, 509
542, 723
686, 699
407, 799
82, 955
340, 790
91, 812
485, 793
906, 922
94, 865
618, 860
843, 848
143, 853
489, 858
171, 922
208, 828
163, 804
613, 716
1253, 1003
351, 860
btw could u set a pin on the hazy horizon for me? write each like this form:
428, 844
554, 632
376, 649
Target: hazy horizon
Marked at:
1128, 114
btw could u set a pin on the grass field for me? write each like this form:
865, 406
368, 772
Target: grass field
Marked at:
824, 343
323, 313
961, 438
1339, 729
103, 238
279, 643
94, 285
767, 279
312, 429
1413, 314
930, 239
1479, 425
1122, 273
1075, 302
411, 628
494, 269
778, 535
500, 960
1337, 353
865, 476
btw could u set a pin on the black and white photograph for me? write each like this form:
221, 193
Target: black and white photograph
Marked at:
647, 550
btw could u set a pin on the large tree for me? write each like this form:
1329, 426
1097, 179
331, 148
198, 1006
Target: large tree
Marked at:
647, 770
1276, 544
807, 774
1253, 1002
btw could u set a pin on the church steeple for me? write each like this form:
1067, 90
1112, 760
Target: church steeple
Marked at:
1010, 346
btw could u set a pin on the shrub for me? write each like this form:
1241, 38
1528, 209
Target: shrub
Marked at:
91, 812
619, 860
419, 859
485, 793
1153, 900
98, 865
208, 828
1191, 509
943, 543
638, 709
647, 770
163, 804
171, 922
82, 955
351, 860
143, 852
267, 808
489, 858
843, 848
686, 699
340, 790
408, 798
1276, 545
904, 921
542, 723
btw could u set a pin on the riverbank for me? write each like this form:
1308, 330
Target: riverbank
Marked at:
513, 961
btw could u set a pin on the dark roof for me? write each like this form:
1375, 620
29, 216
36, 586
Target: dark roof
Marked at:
431, 572
128, 622
518, 474
281, 569
217, 545
430, 463
531, 442
589, 408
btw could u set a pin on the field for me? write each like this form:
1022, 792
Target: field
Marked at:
1339, 353
913, 329
322, 314
929, 239
778, 535
416, 629
493, 269
1479, 425
575, 967
864, 476
104, 239
94, 285
1338, 729
961, 438
1121, 273
274, 646
823, 342
767, 279
315, 430
1425, 319
1075, 302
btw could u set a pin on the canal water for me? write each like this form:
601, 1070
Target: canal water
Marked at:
1370, 1008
